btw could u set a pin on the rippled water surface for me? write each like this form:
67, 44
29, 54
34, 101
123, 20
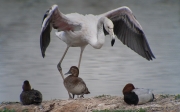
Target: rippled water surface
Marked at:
105, 71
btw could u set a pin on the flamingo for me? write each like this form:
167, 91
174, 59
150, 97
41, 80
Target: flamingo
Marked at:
78, 30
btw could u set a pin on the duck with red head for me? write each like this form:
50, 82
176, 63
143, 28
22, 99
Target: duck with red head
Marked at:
30, 96
137, 96
75, 84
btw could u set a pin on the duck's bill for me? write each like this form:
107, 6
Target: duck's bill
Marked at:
68, 73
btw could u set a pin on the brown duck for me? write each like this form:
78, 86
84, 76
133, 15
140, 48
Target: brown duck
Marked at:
75, 84
30, 96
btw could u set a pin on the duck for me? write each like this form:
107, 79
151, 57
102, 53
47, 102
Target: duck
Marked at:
30, 96
74, 84
137, 96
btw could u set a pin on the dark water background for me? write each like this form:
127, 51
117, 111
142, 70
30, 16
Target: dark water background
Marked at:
105, 71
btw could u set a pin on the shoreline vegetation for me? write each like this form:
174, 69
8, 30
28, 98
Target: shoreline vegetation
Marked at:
101, 103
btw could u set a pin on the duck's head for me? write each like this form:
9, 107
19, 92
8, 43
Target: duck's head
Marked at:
26, 86
74, 71
128, 88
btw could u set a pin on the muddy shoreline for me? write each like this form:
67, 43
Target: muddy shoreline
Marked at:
162, 103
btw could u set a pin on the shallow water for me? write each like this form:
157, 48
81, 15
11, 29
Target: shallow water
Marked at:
105, 71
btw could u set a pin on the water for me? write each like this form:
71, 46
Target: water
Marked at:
105, 71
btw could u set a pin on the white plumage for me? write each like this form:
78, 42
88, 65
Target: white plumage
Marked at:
78, 30
144, 95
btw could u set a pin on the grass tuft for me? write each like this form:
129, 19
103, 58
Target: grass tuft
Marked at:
165, 95
177, 97
7, 110
101, 96
136, 110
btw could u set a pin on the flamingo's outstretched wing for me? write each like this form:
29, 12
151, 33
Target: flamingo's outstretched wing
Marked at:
129, 31
54, 18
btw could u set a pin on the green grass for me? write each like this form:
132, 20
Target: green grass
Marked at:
7, 110
25, 110
8, 102
165, 95
177, 97
100, 96
136, 110
12, 110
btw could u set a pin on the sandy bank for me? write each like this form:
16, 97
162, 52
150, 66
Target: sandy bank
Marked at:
162, 103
